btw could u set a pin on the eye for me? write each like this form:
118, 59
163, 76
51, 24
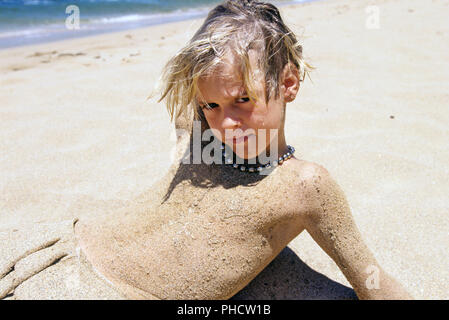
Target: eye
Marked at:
209, 106
243, 100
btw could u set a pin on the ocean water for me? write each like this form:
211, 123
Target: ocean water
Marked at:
25, 22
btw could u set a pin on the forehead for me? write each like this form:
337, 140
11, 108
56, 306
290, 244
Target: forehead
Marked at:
219, 87
226, 80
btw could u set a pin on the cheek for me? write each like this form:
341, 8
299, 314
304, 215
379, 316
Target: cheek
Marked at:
215, 125
209, 119
267, 119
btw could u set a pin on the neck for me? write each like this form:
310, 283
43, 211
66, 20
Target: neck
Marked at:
281, 148
255, 165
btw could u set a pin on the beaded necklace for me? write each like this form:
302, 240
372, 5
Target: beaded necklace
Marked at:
229, 161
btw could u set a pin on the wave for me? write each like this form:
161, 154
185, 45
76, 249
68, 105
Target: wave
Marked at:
151, 17
46, 20
24, 33
36, 33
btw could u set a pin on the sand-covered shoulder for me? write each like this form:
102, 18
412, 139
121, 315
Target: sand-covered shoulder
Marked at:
79, 138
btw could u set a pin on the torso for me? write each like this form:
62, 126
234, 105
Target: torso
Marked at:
207, 239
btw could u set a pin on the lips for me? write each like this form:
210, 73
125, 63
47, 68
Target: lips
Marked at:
238, 140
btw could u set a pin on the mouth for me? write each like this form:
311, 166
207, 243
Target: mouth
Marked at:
239, 140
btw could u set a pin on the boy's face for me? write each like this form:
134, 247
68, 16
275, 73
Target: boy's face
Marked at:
237, 121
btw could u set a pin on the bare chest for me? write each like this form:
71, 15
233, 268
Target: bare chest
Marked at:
207, 243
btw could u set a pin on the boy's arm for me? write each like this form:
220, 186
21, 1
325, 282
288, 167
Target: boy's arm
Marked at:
330, 223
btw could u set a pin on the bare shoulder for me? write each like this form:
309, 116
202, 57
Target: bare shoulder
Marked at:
307, 174
307, 169
316, 188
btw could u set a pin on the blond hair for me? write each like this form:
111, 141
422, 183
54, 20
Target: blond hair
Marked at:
239, 26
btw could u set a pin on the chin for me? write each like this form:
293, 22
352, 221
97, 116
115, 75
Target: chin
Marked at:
244, 153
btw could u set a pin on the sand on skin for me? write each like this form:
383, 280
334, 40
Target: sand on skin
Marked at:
79, 138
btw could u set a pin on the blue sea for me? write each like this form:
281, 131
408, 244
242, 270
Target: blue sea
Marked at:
24, 22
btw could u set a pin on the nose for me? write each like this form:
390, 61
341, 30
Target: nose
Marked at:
231, 119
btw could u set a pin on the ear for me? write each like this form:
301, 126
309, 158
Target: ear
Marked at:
290, 82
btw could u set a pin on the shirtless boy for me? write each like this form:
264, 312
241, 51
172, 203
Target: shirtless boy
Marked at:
209, 229
206, 230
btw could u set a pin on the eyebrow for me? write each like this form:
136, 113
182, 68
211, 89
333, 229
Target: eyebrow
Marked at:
240, 92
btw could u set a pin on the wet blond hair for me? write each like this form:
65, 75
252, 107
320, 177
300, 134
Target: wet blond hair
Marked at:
236, 26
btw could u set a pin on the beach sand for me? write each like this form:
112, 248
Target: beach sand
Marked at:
79, 138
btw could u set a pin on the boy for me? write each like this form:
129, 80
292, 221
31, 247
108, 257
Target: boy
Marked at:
209, 229
204, 231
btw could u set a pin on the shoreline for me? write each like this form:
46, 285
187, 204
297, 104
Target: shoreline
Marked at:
62, 35
55, 33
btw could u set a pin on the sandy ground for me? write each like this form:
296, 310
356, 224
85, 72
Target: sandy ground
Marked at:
78, 136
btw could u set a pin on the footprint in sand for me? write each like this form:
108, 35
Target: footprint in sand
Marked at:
47, 55
48, 58
40, 54
19, 67
61, 55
